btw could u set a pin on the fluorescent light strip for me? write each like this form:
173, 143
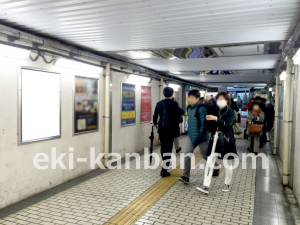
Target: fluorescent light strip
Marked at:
283, 75
139, 78
174, 86
13, 52
78, 65
296, 58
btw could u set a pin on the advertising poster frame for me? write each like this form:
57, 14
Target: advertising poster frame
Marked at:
20, 103
148, 121
75, 131
133, 100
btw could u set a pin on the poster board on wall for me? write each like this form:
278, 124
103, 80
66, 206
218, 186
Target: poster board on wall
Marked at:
39, 105
86, 104
128, 110
146, 104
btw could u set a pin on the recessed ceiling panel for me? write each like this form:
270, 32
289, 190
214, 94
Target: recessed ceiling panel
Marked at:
241, 84
236, 78
257, 49
223, 63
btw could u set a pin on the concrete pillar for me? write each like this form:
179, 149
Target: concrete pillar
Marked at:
276, 122
161, 89
287, 121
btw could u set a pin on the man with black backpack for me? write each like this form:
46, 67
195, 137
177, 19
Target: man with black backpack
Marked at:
169, 117
198, 132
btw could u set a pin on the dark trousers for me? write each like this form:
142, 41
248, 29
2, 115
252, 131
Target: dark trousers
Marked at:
263, 137
166, 140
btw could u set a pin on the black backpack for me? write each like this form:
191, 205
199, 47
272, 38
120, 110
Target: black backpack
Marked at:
170, 117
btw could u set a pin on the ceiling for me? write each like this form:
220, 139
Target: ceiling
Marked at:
173, 35
151, 24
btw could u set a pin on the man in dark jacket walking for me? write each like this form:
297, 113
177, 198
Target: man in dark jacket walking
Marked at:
168, 112
198, 133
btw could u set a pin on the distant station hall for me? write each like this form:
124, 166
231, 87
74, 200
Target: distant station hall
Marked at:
149, 112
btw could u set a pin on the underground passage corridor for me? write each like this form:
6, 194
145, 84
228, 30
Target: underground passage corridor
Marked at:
142, 197
143, 112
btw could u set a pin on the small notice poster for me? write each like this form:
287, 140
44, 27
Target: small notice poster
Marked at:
128, 104
145, 104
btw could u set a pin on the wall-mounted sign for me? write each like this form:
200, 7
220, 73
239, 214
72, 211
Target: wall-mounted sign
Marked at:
127, 104
145, 104
86, 103
39, 105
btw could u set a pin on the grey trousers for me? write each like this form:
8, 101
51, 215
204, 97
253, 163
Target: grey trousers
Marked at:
189, 149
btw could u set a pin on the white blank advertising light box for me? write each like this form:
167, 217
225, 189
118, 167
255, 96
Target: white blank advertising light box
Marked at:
40, 105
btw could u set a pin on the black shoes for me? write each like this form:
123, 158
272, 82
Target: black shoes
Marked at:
216, 172
184, 180
178, 150
164, 173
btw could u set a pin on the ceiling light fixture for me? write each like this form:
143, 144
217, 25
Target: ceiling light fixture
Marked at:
270, 89
174, 86
283, 75
13, 52
296, 57
172, 57
134, 55
72, 64
139, 78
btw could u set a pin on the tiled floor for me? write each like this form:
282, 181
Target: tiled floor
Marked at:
271, 206
95, 199
185, 205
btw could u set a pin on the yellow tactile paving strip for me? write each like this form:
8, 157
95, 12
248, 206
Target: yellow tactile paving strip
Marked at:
131, 213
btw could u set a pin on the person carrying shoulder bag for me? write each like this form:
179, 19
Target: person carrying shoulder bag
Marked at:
220, 127
255, 122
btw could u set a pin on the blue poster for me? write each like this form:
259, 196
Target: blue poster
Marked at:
128, 104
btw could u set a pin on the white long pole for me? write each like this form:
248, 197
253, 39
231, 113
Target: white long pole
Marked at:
107, 113
275, 145
287, 121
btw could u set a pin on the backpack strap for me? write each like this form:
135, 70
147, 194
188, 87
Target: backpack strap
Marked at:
188, 107
197, 114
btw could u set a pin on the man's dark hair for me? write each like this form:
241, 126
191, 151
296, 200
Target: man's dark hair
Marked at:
168, 92
263, 100
194, 93
257, 98
225, 95
202, 98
